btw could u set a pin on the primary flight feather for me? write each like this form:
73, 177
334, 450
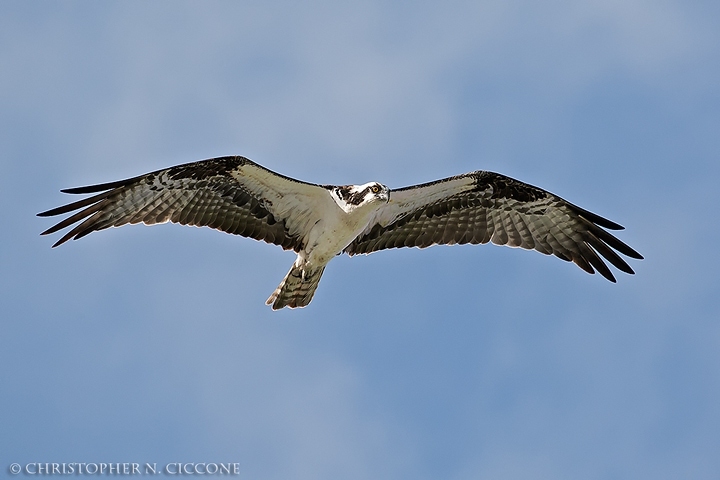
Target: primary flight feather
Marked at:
318, 222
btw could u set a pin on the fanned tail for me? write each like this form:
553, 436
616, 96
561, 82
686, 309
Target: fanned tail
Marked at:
298, 287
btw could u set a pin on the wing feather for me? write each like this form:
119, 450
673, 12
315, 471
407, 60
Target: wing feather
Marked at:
482, 207
231, 194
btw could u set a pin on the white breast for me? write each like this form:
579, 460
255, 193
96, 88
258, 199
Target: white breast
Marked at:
336, 229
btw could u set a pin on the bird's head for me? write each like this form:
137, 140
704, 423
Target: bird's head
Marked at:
355, 196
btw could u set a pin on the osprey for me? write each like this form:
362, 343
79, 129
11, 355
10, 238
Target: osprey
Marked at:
318, 222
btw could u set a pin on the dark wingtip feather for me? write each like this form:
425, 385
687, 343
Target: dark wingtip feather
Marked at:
59, 242
611, 240
595, 218
593, 259
75, 205
52, 212
633, 254
607, 274
101, 187
602, 221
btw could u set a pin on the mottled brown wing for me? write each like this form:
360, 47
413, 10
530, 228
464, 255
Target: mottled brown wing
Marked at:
231, 194
481, 207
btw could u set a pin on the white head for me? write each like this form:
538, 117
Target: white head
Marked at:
351, 197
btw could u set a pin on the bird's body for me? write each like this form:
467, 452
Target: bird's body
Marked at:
237, 196
337, 223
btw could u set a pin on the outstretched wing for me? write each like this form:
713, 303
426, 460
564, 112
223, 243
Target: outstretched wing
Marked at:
232, 194
481, 207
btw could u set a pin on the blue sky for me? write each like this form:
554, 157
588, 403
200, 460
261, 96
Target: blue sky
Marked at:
154, 344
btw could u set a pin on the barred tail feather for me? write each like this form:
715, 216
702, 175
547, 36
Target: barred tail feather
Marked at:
297, 289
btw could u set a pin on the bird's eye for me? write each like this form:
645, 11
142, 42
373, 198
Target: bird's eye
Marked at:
375, 189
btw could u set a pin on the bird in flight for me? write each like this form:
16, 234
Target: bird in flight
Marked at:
318, 222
